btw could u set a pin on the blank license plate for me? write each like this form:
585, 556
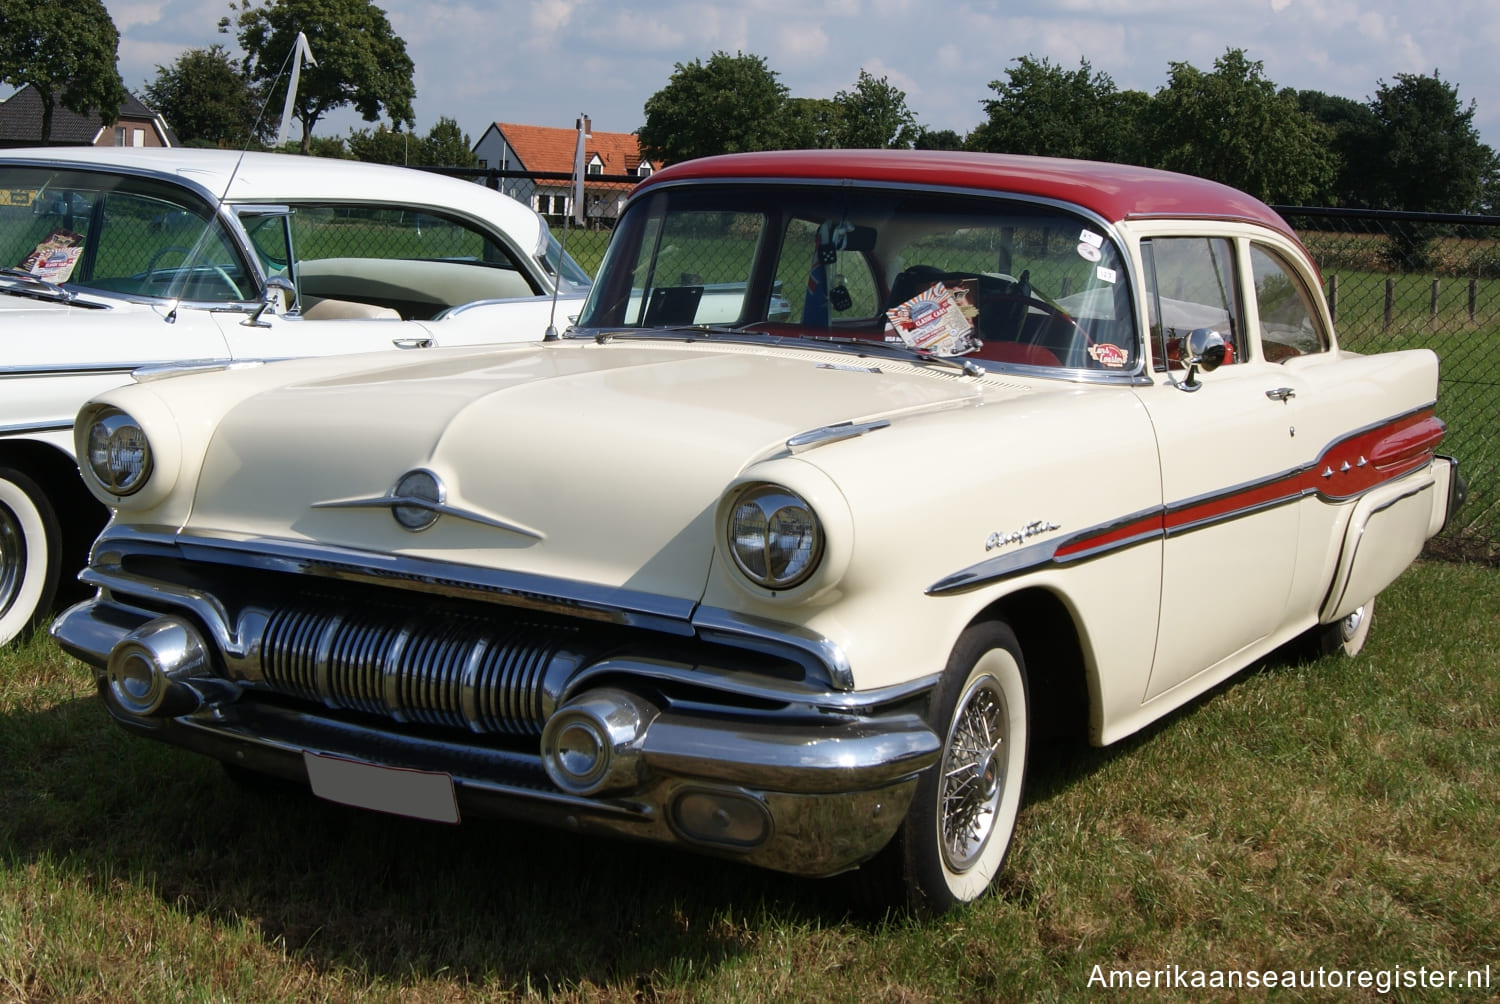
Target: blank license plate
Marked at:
418, 793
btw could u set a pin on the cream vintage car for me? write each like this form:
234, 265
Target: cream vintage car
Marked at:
113, 259
1030, 445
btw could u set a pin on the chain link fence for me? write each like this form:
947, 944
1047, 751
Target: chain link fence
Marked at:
1426, 280
1394, 281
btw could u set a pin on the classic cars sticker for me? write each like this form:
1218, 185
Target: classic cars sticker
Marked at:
1035, 528
935, 320
1107, 354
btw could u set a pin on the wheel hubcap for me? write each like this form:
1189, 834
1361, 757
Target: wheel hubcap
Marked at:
1350, 626
12, 559
973, 776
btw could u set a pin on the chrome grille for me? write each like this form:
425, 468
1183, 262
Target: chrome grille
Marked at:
442, 670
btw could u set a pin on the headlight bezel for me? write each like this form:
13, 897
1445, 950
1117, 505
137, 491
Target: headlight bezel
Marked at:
106, 436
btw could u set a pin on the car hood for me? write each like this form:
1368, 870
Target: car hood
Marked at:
591, 463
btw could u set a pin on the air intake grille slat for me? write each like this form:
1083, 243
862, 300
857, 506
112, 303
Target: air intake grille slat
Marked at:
446, 671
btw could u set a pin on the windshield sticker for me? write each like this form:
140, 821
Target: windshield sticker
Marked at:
1089, 252
939, 320
1105, 274
1108, 355
1092, 239
54, 258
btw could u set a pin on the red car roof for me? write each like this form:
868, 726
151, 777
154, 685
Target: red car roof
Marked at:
1113, 191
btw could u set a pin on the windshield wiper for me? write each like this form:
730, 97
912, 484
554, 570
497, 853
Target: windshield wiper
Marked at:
965, 366
674, 331
43, 289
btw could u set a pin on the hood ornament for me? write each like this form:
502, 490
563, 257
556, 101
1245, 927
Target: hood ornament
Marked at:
418, 499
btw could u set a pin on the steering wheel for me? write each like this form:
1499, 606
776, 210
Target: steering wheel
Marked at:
1074, 354
230, 286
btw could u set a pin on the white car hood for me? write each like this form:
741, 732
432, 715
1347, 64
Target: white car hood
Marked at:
605, 461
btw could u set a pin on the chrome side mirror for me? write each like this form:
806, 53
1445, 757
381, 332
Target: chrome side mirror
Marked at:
280, 298
1203, 347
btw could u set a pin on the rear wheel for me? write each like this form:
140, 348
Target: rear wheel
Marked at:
1347, 635
958, 829
29, 551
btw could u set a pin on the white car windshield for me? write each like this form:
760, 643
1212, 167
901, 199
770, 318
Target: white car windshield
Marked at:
118, 234
992, 279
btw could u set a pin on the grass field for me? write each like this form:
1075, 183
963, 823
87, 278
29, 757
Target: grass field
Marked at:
1342, 815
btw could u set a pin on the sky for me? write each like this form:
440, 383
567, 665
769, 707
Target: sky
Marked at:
546, 62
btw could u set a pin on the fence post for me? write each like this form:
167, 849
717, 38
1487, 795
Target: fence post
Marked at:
1432, 312
1473, 294
1333, 298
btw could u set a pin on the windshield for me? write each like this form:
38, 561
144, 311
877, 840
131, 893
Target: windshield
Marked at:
994, 279
574, 278
117, 234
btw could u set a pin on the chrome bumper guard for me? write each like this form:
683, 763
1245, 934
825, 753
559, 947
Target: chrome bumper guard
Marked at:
803, 788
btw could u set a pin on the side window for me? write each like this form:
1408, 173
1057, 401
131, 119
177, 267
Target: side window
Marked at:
1191, 284
415, 263
845, 288
1288, 322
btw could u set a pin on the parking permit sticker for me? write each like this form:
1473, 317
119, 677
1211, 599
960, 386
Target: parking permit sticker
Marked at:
1090, 238
1105, 274
1088, 252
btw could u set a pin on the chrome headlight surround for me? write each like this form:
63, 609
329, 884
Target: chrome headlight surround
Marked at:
773, 535
116, 451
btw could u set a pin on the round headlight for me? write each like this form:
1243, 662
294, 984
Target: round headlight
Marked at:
118, 453
774, 536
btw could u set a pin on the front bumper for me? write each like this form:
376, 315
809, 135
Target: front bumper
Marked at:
781, 773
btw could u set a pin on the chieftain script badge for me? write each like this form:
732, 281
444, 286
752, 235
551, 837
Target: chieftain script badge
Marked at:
1033, 529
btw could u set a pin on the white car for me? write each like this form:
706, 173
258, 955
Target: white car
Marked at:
114, 259
790, 577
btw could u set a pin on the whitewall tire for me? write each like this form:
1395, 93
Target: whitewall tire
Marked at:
29, 549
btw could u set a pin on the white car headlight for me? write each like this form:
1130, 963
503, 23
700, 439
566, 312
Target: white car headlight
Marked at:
118, 453
774, 536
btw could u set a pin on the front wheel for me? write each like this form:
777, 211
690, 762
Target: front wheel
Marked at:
958, 829
29, 544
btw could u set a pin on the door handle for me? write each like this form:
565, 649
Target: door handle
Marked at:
1282, 394
412, 343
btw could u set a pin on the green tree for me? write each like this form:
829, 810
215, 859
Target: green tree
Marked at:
1233, 126
66, 50
361, 61
1043, 109
207, 99
447, 145
1351, 125
809, 124
937, 139
730, 104
874, 116
1426, 155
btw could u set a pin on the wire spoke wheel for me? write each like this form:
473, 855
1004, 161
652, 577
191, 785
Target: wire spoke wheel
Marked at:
973, 773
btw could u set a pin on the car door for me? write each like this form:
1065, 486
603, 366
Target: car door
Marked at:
1230, 453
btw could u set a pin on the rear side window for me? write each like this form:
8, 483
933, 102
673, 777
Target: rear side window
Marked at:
1289, 323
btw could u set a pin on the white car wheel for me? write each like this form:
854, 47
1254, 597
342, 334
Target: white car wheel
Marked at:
958, 830
29, 541
1347, 635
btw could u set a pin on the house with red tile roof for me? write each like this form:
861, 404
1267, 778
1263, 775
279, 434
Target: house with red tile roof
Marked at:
21, 124
611, 162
